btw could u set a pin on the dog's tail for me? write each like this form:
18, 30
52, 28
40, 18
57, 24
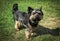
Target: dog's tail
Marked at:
15, 8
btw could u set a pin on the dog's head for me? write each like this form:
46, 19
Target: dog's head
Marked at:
35, 15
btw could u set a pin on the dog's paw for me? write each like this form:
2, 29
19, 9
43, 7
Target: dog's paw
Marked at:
32, 34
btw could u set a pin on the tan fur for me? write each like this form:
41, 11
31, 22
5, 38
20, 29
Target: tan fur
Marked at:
17, 25
27, 34
30, 32
31, 17
31, 28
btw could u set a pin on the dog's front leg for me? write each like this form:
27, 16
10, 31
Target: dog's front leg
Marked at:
17, 25
27, 33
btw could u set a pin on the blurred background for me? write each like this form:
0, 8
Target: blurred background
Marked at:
49, 25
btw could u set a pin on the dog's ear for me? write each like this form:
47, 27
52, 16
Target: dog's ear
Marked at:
40, 8
30, 10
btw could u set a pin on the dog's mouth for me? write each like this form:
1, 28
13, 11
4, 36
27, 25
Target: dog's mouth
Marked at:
36, 20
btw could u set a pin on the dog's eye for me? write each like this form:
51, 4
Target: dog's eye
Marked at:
38, 13
33, 13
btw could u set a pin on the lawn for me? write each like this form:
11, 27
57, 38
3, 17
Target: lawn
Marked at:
49, 26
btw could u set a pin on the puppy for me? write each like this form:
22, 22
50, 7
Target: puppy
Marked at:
29, 20
35, 15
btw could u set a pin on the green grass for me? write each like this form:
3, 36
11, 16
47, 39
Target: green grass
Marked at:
51, 20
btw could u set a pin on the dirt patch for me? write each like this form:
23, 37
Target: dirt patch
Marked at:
51, 23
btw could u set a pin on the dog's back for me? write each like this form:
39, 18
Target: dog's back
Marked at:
22, 17
19, 15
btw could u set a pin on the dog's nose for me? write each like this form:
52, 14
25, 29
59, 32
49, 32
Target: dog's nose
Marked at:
37, 16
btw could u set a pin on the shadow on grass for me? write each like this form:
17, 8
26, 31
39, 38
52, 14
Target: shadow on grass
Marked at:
43, 30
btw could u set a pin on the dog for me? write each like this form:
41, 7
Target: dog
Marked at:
29, 20
20, 18
35, 15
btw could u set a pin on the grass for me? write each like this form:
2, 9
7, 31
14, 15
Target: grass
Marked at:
51, 20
